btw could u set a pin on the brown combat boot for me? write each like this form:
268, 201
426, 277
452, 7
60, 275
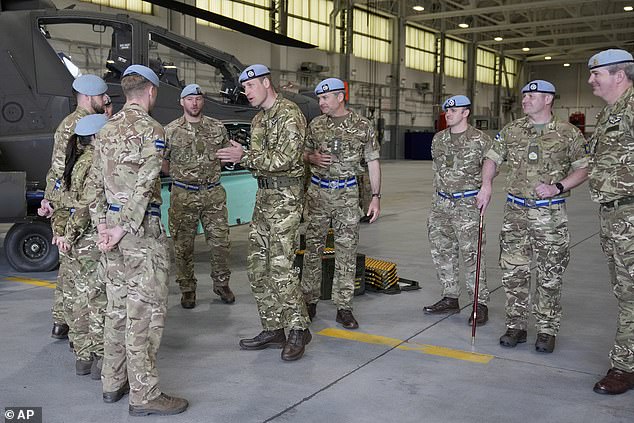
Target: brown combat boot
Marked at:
163, 405
266, 339
482, 315
615, 382
346, 319
296, 344
545, 343
188, 300
115, 396
82, 367
312, 310
59, 331
225, 293
512, 337
445, 306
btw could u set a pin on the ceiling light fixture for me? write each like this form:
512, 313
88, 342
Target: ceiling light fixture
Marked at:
418, 8
566, 65
525, 49
463, 25
628, 8
498, 38
547, 58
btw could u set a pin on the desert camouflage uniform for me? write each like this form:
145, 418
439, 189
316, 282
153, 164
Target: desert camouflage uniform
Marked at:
89, 297
611, 178
63, 133
453, 222
191, 151
539, 233
336, 206
125, 175
277, 145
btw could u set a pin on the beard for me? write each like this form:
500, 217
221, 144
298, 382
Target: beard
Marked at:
98, 108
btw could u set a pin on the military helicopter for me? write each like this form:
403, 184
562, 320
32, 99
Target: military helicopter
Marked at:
36, 57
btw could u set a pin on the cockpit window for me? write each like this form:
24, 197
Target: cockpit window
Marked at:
180, 65
90, 47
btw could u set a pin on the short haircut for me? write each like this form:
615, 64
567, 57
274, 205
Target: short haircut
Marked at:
133, 85
628, 68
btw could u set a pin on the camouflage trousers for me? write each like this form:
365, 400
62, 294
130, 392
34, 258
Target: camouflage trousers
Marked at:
339, 207
88, 298
365, 190
136, 276
452, 228
59, 312
209, 207
617, 240
272, 245
539, 234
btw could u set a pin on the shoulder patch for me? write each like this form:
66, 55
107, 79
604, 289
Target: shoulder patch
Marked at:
159, 144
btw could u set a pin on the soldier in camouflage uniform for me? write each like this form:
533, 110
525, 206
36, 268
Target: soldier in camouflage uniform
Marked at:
336, 142
196, 194
125, 176
79, 241
546, 160
612, 186
454, 218
89, 92
277, 143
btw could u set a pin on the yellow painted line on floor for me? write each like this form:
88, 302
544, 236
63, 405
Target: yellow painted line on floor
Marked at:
36, 282
407, 346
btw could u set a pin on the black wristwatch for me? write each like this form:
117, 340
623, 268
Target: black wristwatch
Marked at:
560, 187
377, 196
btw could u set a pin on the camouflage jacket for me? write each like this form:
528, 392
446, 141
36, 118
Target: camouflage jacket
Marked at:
357, 140
457, 161
611, 150
125, 171
535, 158
64, 131
277, 141
81, 195
192, 151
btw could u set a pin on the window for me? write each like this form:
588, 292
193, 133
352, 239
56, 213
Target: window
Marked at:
485, 68
131, 5
454, 58
419, 49
371, 36
309, 21
252, 12
509, 73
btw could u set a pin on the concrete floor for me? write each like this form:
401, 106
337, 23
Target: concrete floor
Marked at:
343, 380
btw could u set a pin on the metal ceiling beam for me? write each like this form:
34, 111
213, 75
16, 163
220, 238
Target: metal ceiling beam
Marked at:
474, 11
566, 49
568, 35
549, 23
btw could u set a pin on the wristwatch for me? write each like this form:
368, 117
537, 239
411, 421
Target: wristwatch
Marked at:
560, 187
376, 195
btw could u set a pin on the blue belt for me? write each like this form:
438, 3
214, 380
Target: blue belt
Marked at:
194, 187
153, 209
334, 183
530, 202
58, 184
460, 194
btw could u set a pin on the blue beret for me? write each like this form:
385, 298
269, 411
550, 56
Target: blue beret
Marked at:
144, 71
609, 57
456, 101
329, 85
91, 124
191, 89
539, 86
254, 71
90, 85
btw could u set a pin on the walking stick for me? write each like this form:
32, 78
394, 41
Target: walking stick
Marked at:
477, 281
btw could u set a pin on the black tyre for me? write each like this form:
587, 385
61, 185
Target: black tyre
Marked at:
28, 247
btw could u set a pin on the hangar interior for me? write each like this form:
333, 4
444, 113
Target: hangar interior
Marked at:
402, 59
